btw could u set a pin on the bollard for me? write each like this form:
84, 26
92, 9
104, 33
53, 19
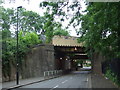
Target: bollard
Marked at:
58, 73
61, 72
44, 75
55, 73
48, 74
52, 72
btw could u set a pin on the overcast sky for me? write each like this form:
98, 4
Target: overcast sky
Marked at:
33, 5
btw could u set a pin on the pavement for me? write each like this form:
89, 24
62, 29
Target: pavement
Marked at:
99, 81
12, 84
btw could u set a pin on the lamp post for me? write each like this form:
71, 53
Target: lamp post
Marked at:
17, 60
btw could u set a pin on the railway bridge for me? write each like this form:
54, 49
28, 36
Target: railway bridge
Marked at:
68, 51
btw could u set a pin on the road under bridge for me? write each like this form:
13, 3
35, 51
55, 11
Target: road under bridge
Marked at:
67, 52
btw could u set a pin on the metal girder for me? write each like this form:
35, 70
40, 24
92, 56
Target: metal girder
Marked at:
80, 57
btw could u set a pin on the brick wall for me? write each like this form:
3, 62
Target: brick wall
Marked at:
38, 60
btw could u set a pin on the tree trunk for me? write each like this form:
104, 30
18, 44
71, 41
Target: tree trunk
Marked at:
96, 63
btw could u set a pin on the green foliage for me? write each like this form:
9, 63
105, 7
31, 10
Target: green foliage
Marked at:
61, 32
112, 76
9, 48
6, 18
6, 34
25, 42
8, 54
100, 28
29, 38
30, 21
49, 28
57, 9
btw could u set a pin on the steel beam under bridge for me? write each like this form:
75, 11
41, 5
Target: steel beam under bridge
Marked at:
77, 51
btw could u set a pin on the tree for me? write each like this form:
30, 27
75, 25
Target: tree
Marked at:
101, 31
61, 32
26, 39
100, 24
48, 27
28, 20
54, 10
63, 11
6, 18
31, 21
100, 28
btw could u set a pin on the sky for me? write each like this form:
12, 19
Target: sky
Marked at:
33, 5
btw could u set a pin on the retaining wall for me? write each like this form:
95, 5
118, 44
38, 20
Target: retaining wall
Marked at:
38, 60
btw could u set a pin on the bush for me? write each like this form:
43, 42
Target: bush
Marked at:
112, 76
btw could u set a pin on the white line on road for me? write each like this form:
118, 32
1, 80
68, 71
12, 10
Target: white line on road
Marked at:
87, 79
64, 81
54, 87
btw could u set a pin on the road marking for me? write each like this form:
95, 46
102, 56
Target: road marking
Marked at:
64, 81
87, 79
56, 86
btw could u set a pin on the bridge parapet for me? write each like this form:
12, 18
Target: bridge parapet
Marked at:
66, 41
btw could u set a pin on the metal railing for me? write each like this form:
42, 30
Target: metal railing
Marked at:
52, 74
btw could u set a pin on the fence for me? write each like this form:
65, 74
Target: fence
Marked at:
52, 74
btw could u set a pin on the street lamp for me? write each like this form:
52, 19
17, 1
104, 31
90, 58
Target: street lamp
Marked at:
17, 60
75, 49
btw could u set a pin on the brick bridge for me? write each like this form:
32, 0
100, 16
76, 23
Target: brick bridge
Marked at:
68, 50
